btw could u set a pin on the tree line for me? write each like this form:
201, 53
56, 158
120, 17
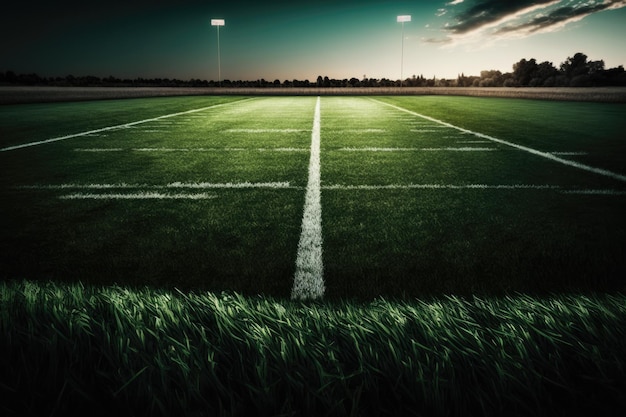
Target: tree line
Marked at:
575, 71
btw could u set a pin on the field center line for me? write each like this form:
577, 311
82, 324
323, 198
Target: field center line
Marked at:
104, 129
309, 276
546, 155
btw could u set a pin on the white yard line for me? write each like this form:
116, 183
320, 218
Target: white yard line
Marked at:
122, 126
180, 185
191, 149
462, 149
595, 192
572, 153
238, 185
546, 155
441, 187
138, 196
309, 276
98, 150
265, 130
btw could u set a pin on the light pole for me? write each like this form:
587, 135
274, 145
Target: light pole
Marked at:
218, 23
402, 19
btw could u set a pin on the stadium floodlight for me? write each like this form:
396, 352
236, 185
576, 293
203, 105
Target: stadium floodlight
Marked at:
217, 23
402, 19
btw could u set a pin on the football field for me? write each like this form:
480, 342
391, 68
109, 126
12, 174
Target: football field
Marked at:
311, 197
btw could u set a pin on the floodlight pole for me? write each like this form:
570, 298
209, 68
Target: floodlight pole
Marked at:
402, 19
217, 23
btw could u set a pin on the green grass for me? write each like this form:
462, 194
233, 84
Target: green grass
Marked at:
377, 242
439, 301
70, 349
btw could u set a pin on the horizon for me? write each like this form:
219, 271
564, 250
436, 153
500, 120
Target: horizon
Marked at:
286, 41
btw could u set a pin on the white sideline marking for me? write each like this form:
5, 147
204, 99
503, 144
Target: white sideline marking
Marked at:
464, 149
122, 126
309, 276
546, 155
138, 196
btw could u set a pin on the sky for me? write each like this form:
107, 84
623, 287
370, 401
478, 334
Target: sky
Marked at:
293, 39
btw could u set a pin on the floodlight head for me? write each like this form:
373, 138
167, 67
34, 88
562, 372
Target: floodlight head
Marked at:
217, 22
405, 18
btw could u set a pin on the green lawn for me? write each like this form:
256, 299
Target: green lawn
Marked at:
146, 269
410, 207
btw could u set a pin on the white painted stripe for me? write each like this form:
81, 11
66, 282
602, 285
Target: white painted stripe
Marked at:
197, 185
98, 149
546, 155
286, 185
206, 185
363, 130
569, 153
441, 187
186, 149
595, 192
192, 149
463, 149
309, 276
220, 149
138, 196
122, 126
282, 149
266, 130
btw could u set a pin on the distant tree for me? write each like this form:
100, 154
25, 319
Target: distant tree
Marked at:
545, 75
320, 81
491, 78
574, 66
583, 73
524, 71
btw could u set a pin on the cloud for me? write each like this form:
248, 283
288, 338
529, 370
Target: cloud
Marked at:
494, 12
496, 19
454, 2
559, 18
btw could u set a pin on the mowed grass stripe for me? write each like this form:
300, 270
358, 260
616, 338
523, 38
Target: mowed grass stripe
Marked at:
309, 275
546, 155
120, 126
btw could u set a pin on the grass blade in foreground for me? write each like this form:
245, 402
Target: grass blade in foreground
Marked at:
68, 349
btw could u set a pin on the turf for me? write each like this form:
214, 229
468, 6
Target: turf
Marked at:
389, 241
458, 282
